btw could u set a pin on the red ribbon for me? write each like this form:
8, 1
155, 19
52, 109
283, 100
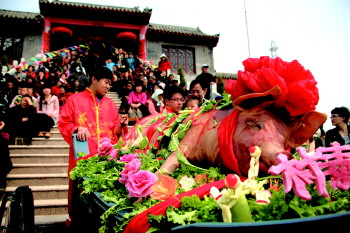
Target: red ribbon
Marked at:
140, 224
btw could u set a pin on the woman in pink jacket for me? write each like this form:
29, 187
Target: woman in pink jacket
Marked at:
137, 103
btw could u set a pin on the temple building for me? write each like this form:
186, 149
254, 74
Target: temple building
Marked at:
64, 24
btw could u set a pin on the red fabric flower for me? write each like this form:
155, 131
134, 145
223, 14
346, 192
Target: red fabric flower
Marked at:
298, 86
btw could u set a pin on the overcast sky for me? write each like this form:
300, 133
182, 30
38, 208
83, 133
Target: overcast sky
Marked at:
314, 32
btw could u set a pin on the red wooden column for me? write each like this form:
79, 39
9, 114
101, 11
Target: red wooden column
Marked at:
45, 44
142, 42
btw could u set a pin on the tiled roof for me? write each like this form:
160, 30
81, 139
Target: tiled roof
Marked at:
25, 21
92, 6
74, 10
226, 75
19, 15
156, 31
179, 30
176, 29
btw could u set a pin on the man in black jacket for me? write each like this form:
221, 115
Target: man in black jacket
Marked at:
206, 78
341, 132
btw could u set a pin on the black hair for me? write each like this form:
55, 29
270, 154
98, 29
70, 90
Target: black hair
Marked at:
42, 96
196, 98
101, 73
138, 83
169, 91
27, 95
65, 88
23, 85
342, 112
201, 83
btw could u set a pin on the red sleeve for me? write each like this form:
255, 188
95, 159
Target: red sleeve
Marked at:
116, 122
66, 123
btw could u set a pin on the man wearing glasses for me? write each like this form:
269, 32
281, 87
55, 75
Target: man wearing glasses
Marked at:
341, 132
174, 99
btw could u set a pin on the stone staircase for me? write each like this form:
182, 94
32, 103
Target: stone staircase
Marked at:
43, 166
115, 97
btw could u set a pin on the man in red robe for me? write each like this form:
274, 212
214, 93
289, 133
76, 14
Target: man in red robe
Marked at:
92, 116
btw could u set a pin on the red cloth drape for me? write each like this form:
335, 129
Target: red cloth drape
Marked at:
226, 130
140, 224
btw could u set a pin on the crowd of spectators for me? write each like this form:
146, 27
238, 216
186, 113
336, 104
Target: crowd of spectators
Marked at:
36, 93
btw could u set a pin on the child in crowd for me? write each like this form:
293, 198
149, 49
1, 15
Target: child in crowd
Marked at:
17, 100
193, 103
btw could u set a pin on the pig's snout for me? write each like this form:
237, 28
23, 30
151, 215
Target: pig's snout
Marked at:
289, 155
267, 161
274, 161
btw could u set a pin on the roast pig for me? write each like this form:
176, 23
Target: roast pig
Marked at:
255, 126
274, 108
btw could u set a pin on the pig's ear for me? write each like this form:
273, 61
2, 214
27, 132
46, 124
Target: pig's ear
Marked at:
251, 100
303, 128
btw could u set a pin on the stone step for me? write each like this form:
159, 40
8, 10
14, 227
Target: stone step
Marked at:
51, 207
53, 135
36, 168
38, 158
46, 191
56, 208
50, 219
117, 101
54, 130
49, 141
37, 179
39, 149
111, 93
114, 97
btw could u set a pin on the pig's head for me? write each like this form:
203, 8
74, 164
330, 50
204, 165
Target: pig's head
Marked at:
276, 102
273, 133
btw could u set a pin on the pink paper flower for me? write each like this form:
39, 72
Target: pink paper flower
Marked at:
139, 184
105, 139
127, 158
113, 154
131, 168
105, 147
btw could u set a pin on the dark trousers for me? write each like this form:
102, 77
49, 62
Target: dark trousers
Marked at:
5, 160
42, 122
24, 129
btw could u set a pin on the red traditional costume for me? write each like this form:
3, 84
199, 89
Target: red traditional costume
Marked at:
101, 118
84, 110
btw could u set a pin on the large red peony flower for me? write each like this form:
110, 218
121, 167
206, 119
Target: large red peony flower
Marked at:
299, 93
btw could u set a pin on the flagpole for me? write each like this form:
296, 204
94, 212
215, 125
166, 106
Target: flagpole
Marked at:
246, 24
